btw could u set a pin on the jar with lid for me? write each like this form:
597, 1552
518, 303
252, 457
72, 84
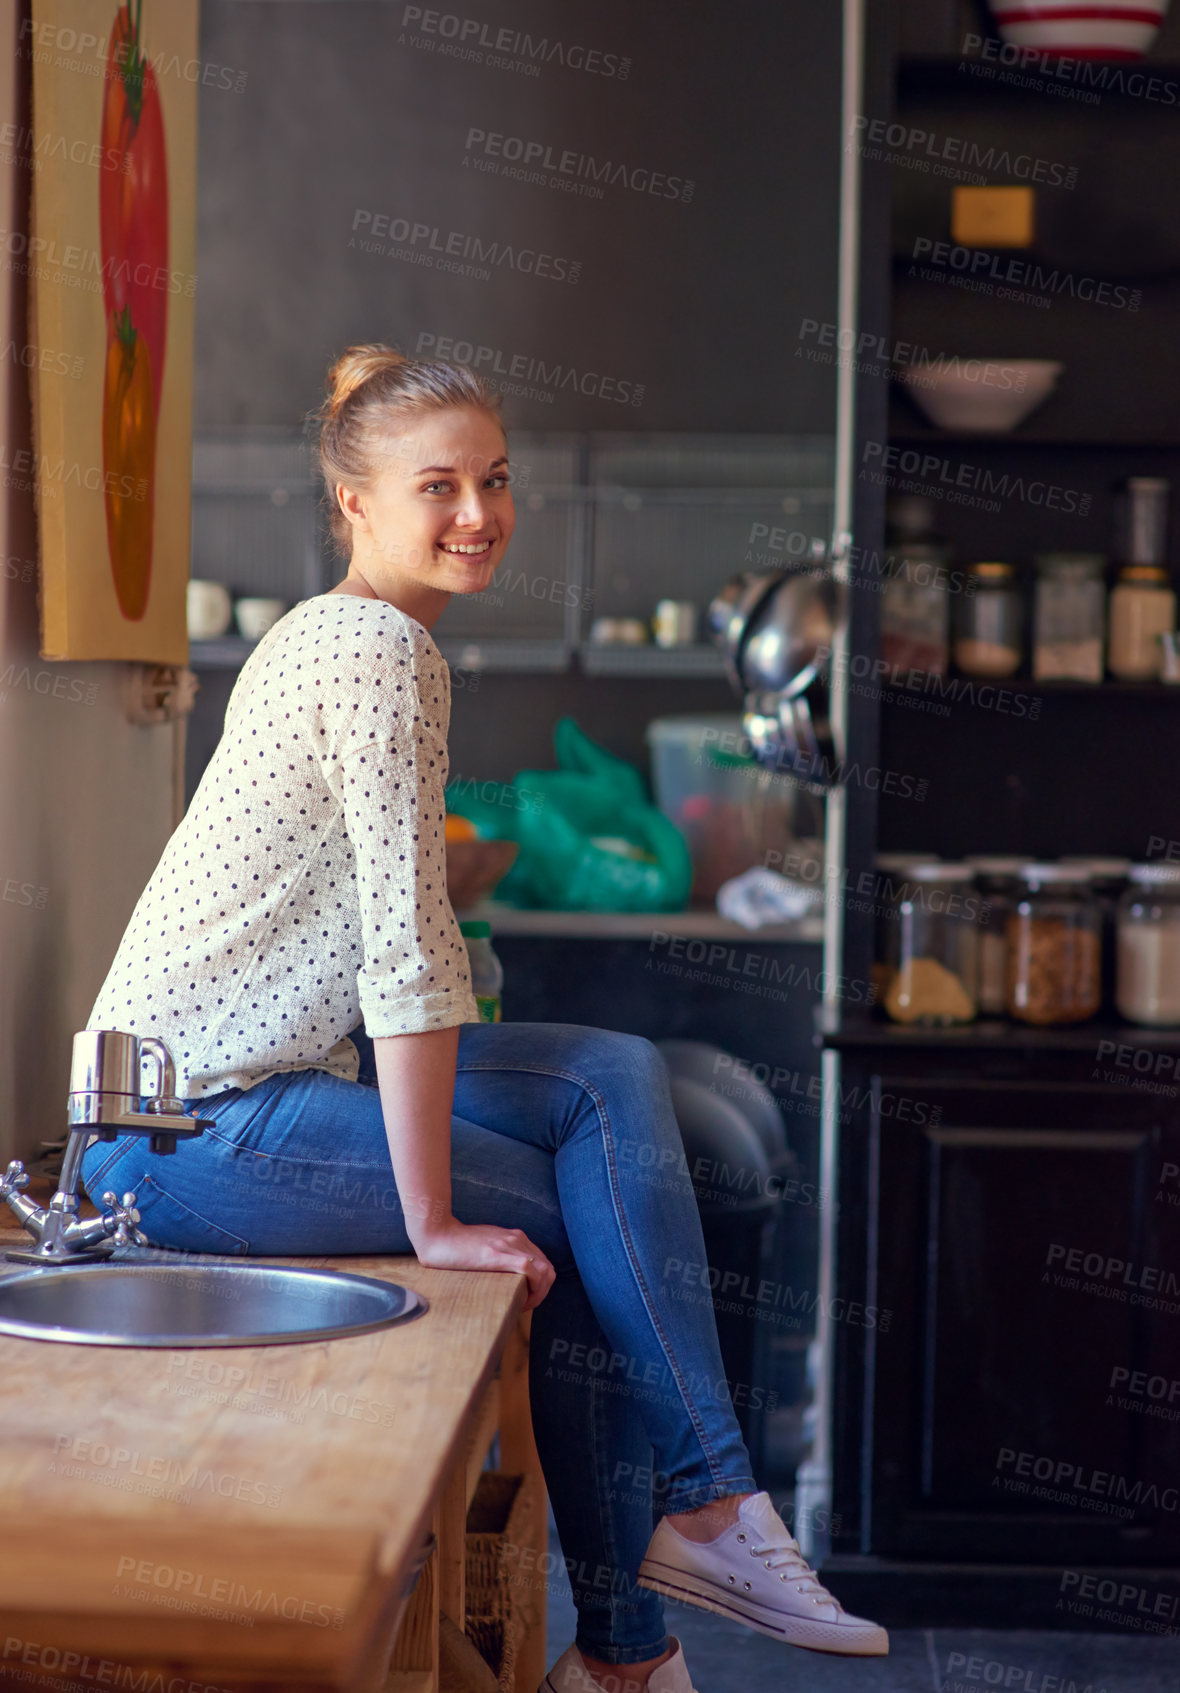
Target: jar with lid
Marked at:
1070, 617
937, 974
1108, 878
889, 885
1054, 946
988, 622
997, 879
1142, 608
915, 608
1149, 947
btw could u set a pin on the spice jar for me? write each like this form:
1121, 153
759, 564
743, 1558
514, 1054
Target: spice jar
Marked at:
1142, 607
1149, 947
997, 880
1108, 878
988, 622
889, 888
936, 980
1070, 617
915, 608
1054, 946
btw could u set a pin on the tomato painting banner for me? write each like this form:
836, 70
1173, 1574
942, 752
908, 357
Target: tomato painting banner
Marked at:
112, 280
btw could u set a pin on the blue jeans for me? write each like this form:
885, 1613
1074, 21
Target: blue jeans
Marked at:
569, 1134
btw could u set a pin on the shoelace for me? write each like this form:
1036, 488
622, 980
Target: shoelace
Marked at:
785, 1554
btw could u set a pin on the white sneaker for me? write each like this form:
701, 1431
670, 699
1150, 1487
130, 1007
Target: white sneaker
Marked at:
755, 1573
570, 1675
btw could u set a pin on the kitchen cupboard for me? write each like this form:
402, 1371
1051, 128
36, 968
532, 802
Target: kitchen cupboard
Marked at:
1006, 1437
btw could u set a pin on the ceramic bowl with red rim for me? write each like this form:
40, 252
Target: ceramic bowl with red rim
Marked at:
1081, 29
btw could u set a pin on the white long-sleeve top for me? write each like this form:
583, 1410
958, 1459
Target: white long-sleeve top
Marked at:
304, 892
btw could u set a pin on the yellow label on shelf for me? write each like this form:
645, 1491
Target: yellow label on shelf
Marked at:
992, 217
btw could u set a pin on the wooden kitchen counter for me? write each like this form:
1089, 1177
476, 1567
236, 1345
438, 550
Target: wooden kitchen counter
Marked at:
251, 1517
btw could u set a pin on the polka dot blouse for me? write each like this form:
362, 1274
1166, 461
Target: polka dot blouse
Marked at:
304, 892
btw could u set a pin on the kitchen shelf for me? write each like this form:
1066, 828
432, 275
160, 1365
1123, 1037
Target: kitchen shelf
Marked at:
503, 654
1029, 684
910, 435
227, 652
650, 660
703, 924
994, 1035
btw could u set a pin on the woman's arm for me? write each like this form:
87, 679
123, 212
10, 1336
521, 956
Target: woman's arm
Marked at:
416, 1077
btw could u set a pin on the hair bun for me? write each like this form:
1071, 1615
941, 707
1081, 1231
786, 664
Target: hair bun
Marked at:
356, 366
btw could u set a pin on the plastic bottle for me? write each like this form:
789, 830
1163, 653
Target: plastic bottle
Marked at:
487, 973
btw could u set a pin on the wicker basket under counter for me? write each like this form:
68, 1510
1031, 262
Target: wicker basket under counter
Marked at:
500, 1524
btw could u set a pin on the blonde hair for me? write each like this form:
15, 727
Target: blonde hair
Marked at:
367, 387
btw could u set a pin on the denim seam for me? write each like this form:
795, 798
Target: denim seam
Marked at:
644, 1294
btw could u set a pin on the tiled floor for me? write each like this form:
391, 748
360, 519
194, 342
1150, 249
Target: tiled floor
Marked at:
726, 1658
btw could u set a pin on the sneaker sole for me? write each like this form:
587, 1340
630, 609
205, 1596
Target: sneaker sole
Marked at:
795, 1631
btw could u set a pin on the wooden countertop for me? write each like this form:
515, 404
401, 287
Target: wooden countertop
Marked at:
217, 1510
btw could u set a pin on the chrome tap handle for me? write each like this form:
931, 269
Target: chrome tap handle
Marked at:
14, 1180
164, 1099
121, 1216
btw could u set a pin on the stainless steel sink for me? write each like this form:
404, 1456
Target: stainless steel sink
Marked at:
197, 1302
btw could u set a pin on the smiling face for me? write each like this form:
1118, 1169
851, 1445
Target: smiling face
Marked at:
439, 515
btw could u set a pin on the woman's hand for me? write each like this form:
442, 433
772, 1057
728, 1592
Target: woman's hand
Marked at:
485, 1246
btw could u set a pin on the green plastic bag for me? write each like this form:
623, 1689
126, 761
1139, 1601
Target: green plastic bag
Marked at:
590, 839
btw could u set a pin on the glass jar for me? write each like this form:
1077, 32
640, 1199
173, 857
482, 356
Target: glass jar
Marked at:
1108, 878
1054, 947
937, 974
1142, 608
997, 880
915, 607
889, 888
1070, 617
989, 621
1149, 947
1143, 513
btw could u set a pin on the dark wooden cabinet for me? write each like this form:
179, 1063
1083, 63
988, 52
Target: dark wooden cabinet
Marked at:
1014, 1408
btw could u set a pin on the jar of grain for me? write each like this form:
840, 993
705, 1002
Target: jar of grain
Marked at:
1149, 947
936, 980
997, 879
1054, 946
989, 618
1070, 617
1142, 608
889, 888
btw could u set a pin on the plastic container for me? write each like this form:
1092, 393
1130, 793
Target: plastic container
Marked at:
1054, 947
1148, 989
998, 880
733, 813
487, 973
1070, 617
989, 622
938, 947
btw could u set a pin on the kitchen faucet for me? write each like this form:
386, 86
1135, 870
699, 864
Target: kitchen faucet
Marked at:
104, 1100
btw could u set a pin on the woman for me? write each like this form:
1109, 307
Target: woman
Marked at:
296, 951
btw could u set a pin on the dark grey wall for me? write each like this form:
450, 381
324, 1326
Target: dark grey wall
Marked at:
345, 117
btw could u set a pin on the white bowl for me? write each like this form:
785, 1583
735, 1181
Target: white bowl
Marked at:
1086, 29
255, 617
985, 396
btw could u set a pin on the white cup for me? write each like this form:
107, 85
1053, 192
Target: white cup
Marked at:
675, 623
255, 617
208, 610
